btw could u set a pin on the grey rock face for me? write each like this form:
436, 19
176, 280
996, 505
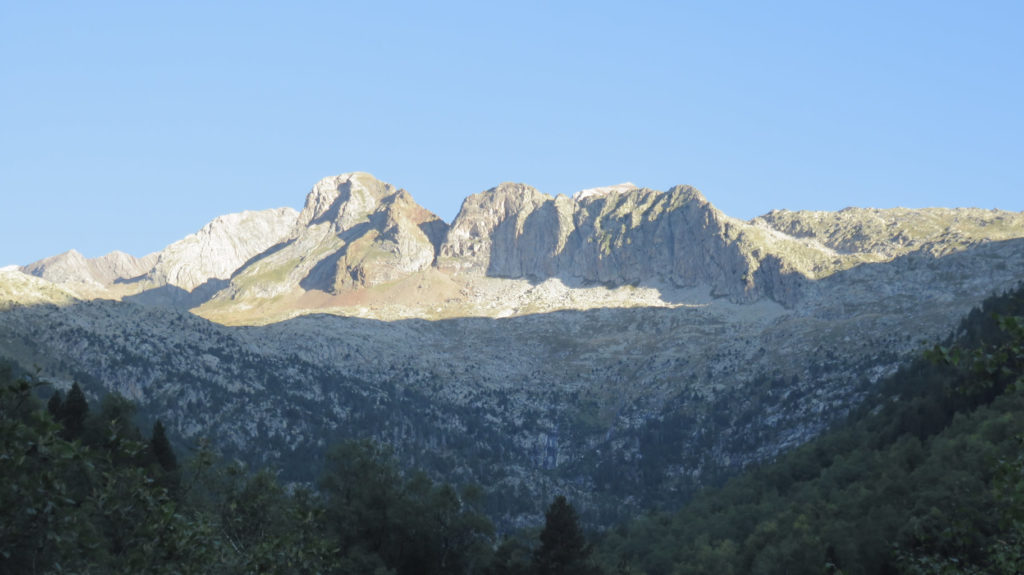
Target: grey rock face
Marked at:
511, 230
612, 236
354, 231
895, 232
221, 247
675, 236
623, 235
72, 267
214, 252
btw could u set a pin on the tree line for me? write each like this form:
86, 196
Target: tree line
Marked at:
925, 477
83, 491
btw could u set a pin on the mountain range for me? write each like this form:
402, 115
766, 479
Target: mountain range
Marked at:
624, 345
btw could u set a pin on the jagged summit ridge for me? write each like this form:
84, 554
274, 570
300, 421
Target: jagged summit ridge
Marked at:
213, 252
365, 247
73, 269
354, 231
487, 233
618, 235
221, 247
344, 200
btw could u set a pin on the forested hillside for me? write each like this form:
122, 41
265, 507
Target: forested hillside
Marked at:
928, 477
82, 491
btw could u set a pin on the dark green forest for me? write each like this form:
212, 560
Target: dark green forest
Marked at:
83, 491
926, 476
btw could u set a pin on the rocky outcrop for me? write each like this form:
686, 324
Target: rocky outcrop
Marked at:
398, 238
624, 235
68, 267
221, 247
675, 236
353, 232
886, 234
356, 233
511, 230
617, 235
71, 267
166, 277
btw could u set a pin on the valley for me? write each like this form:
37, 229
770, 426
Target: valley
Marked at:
624, 346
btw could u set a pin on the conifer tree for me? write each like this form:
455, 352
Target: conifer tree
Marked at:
55, 404
162, 448
73, 413
563, 548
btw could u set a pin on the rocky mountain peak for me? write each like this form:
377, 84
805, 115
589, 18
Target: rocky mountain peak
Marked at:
221, 247
67, 267
614, 235
357, 232
353, 232
344, 200
688, 194
495, 215
71, 268
120, 265
482, 212
404, 215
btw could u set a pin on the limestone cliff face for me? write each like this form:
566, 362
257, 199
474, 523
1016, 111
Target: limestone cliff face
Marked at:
675, 236
885, 234
214, 252
356, 233
71, 268
511, 230
617, 235
221, 247
623, 235
353, 232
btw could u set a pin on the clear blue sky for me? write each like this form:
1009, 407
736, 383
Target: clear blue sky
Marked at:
130, 125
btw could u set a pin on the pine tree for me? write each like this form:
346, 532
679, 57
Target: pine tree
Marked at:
55, 404
563, 548
73, 413
162, 448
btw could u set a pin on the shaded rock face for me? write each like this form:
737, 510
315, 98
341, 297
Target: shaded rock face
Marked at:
511, 230
609, 235
675, 236
396, 239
